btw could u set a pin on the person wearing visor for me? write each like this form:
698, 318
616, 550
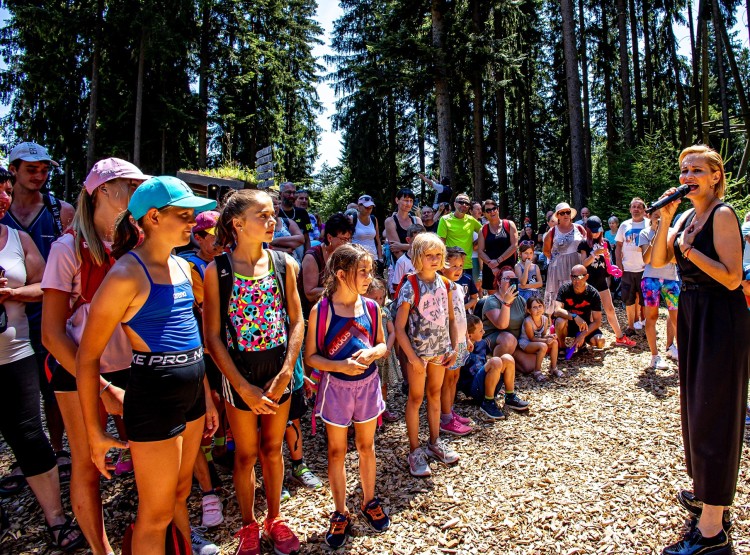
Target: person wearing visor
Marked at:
367, 231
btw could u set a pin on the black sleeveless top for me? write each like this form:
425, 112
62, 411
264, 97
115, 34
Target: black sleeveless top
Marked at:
400, 231
704, 243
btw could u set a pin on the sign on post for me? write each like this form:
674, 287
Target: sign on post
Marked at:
264, 168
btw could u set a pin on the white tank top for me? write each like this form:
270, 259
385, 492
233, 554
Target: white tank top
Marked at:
14, 341
365, 235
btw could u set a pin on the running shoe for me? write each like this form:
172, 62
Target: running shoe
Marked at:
514, 402
305, 477
201, 546
124, 463
491, 410
389, 416
285, 495
658, 364
455, 428
625, 341
212, 510
466, 421
375, 516
441, 451
672, 352
281, 536
249, 536
418, 465
339, 530
639, 325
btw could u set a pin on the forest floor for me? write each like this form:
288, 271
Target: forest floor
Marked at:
592, 467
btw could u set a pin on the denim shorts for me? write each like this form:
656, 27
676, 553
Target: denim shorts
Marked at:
341, 402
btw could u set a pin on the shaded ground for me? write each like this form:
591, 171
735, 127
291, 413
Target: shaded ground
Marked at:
592, 468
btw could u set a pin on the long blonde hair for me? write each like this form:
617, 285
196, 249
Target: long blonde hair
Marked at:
715, 162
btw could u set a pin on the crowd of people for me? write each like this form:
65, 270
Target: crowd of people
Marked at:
197, 327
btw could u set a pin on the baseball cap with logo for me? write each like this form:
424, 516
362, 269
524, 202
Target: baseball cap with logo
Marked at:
109, 169
206, 221
366, 200
30, 152
165, 190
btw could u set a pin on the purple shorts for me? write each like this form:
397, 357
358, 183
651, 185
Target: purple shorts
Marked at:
341, 402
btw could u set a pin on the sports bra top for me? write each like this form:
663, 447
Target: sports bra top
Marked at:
166, 322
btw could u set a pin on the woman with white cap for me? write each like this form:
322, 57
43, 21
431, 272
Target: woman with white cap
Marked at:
561, 249
78, 262
366, 231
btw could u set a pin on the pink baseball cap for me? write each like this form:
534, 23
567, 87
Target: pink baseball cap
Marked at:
109, 169
206, 221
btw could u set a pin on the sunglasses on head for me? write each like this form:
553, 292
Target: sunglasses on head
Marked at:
527, 243
463, 202
584, 276
564, 213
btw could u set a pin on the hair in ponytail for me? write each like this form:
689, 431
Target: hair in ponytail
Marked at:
83, 226
127, 235
235, 203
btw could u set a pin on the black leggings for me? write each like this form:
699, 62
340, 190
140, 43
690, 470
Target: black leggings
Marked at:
21, 419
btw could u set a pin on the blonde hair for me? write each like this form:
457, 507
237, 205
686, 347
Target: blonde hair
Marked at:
423, 243
715, 162
83, 226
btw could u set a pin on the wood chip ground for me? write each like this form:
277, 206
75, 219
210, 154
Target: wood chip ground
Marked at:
592, 468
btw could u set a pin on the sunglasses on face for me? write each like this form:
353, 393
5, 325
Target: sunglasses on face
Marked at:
490, 209
506, 279
564, 213
584, 276
463, 202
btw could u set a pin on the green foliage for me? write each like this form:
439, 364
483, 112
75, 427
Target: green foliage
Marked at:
332, 193
232, 170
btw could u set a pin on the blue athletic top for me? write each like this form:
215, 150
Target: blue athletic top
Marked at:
346, 335
166, 322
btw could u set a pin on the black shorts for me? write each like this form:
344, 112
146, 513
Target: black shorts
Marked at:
573, 330
164, 393
630, 288
258, 368
298, 407
63, 381
212, 373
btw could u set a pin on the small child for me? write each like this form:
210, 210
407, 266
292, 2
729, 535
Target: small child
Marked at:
349, 343
450, 422
404, 264
388, 365
529, 275
429, 345
480, 375
535, 338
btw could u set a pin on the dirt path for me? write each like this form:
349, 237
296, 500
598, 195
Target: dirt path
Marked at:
593, 467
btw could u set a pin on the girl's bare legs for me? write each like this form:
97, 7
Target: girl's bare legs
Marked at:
609, 310
448, 390
244, 426
539, 350
365, 441
416, 381
272, 428
435, 375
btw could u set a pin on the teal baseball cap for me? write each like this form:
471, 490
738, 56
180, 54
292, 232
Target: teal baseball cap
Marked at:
165, 190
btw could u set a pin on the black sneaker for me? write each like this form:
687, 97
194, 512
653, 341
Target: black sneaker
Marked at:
338, 530
490, 409
695, 544
514, 402
375, 516
693, 505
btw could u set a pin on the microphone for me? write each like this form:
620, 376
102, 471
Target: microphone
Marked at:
681, 191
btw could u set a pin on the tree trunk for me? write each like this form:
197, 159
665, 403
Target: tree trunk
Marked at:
682, 122
605, 48
648, 68
94, 94
442, 93
578, 162
139, 99
392, 166
477, 111
501, 147
203, 65
638, 90
420, 143
721, 79
695, 89
627, 117
529, 139
704, 70
586, 107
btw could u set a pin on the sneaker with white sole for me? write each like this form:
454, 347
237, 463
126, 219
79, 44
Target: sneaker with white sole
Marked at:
639, 325
305, 477
455, 428
672, 352
212, 510
418, 465
441, 451
658, 364
201, 546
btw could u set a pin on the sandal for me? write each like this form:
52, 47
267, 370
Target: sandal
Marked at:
556, 372
538, 376
61, 533
63, 465
14, 483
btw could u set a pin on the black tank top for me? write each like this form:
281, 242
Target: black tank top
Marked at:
704, 243
496, 244
400, 231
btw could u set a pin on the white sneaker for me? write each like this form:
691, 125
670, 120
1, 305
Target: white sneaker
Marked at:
672, 352
418, 465
441, 451
212, 511
201, 546
658, 364
639, 324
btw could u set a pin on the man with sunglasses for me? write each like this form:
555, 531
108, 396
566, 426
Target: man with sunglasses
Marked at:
578, 310
458, 228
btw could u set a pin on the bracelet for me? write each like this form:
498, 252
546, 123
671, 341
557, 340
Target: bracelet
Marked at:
686, 252
507, 304
104, 388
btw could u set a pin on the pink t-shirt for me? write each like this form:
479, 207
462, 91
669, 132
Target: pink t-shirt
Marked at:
63, 273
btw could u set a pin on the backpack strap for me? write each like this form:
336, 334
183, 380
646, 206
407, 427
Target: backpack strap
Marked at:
412, 278
226, 281
485, 230
371, 307
506, 226
53, 205
323, 307
279, 269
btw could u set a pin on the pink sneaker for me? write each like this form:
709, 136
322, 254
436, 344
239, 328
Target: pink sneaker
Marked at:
455, 428
462, 419
280, 535
249, 536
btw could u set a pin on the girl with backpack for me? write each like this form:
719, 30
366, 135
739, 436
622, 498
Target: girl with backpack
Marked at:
254, 329
426, 331
148, 294
78, 262
344, 339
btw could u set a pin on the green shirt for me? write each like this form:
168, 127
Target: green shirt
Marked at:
459, 232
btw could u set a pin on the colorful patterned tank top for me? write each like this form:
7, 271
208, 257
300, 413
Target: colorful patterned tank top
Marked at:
347, 335
256, 312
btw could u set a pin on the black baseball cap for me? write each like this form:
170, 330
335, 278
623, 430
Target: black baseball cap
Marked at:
594, 224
